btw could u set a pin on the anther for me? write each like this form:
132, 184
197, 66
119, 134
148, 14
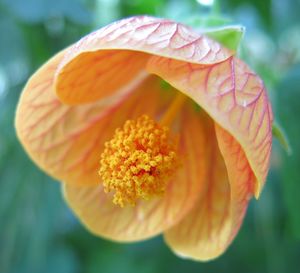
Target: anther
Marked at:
138, 162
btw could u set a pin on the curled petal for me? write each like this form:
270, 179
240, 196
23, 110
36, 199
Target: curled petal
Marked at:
148, 218
66, 141
117, 54
209, 228
234, 97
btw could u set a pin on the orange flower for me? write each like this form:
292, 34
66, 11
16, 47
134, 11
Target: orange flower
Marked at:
152, 128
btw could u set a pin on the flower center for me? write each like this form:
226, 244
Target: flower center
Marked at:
140, 159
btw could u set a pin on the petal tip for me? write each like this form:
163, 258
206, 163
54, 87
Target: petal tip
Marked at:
257, 190
200, 257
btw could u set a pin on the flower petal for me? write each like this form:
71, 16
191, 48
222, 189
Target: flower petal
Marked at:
96, 75
209, 228
148, 218
234, 97
66, 141
100, 63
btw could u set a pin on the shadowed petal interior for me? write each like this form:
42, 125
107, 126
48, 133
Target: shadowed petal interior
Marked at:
209, 228
92, 76
148, 218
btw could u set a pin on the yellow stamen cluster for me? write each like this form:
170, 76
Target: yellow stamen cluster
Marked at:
138, 161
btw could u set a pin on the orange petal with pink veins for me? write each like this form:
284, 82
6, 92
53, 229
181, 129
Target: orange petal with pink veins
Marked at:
209, 228
66, 141
93, 76
234, 97
99, 64
148, 218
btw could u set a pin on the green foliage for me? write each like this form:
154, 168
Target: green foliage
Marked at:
281, 136
38, 232
220, 29
288, 112
229, 36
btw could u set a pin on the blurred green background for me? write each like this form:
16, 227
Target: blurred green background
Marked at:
38, 233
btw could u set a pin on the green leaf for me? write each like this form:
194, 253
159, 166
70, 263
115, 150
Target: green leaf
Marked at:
228, 36
281, 136
220, 29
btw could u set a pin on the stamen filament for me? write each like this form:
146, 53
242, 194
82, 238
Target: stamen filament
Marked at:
173, 109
